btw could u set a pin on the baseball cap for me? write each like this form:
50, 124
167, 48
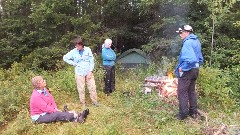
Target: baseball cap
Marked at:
185, 28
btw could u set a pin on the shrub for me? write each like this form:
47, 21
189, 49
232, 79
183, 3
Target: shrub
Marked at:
234, 83
63, 79
44, 59
226, 53
214, 88
14, 93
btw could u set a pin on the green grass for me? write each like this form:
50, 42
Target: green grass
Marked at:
136, 114
133, 113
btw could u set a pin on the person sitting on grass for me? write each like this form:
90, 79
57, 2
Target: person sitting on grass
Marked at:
43, 108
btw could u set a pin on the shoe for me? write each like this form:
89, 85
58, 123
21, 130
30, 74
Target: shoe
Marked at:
82, 116
85, 113
194, 115
108, 94
96, 104
180, 117
111, 91
65, 108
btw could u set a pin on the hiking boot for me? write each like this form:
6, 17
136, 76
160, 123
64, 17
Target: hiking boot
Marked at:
85, 113
180, 117
82, 116
194, 115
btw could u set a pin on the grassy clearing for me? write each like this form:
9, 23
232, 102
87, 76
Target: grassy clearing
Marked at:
136, 114
126, 112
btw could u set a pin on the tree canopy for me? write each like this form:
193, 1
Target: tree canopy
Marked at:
29, 26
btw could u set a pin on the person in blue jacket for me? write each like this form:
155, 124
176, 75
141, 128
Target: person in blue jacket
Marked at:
187, 71
108, 59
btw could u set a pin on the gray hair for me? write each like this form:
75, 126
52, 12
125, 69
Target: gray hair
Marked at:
36, 80
108, 41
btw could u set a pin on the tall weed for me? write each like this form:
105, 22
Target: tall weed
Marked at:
14, 92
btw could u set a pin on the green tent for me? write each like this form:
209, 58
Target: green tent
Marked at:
133, 58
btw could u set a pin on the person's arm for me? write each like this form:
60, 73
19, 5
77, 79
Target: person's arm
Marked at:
53, 101
114, 55
200, 57
188, 56
68, 58
91, 60
41, 104
107, 56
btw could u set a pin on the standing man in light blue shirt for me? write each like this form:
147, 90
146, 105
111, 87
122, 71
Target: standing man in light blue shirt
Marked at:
82, 59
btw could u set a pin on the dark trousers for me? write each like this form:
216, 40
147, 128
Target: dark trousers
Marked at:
56, 116
109, 79
187, 96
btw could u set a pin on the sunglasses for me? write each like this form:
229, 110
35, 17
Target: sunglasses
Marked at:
180, 32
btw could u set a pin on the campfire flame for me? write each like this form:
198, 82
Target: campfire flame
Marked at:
167, 85
170, 75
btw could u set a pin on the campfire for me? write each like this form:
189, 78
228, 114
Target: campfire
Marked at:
170, 75
166, 85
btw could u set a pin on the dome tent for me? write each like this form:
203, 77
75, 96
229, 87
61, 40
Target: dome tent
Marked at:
133, 58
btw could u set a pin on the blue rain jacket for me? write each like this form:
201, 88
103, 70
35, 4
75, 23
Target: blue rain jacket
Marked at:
190, 55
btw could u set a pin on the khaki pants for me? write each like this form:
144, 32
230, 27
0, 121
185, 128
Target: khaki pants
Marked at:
80, 80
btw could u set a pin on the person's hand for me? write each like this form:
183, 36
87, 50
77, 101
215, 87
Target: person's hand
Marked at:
89, 75
72, 112
180, 69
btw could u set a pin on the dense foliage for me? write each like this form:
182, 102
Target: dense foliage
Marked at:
35, 34
27, 25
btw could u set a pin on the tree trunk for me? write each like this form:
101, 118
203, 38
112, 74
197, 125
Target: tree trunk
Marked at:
213, 30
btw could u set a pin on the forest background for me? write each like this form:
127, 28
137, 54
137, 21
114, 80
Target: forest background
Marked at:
35, 34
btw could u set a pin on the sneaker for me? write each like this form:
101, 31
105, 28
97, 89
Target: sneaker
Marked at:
96, 104
65, 108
